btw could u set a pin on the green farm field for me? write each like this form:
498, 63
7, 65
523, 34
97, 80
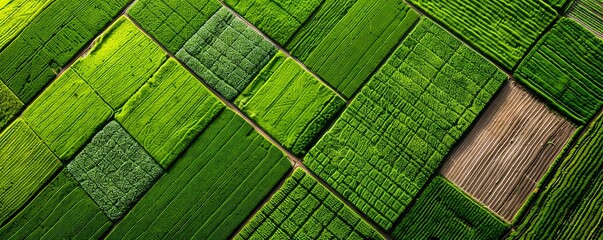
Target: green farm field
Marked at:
307, 119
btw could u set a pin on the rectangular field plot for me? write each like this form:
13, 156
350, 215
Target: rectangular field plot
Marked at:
279, 19
289, 103
50, 40
589, 13
398, 129
168, 111
503, 30
566, 68
15, 15
26, 164
67, 114
62, 210
10, 105
445, 212
346, 40
172, 22
304, 209
570, 206
120, 62
114, 170
219, 180
226, 53
508, 150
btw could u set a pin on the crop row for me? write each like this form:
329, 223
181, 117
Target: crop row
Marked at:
216, 183
502, 30
304, 209
569, 207
590, 14
290, 103
53, 37
445, 212
396, 132
566, 68
226, 53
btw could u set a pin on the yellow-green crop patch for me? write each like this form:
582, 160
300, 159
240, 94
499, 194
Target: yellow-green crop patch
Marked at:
304, 209
120, 62
26, 164
15, 15
67, 115
289, 103
396, 132
61, 210
226, 53
168, 111
114, 170
219, 180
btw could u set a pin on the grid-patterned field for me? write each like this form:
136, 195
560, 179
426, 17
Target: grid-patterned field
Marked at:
308, 119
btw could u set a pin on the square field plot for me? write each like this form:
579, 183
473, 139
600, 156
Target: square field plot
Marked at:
396, 132
168, 111
210, 191
67, 114
304, 209
26, 163
290, 103
226, 53
445, 212
114, 169
508, 150
62, 210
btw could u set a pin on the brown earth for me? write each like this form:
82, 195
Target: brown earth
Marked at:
508, 150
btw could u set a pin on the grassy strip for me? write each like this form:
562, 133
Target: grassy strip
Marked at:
346, 46
67, 114
570, 205
445, 212
279, 19
26, 164
304, 209
226, 53
566, 68
219, 180
289, 103
120, 62
502, 30
52, 38
114, 170
172, 22
62, 210
398, 129
168, 111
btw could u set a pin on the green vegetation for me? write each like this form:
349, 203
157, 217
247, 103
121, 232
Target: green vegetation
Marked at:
10, 105
347, 40
120, 62
61, 210
558, 4
566, 68
279, 19
168, 111
503, 30
570, 206
219, 180
26, 164
590, 14
398, 129
445, 212
289, 103
15, 15
53, 37
304, 209
67, 114
172, 22
226, 53
114, 170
